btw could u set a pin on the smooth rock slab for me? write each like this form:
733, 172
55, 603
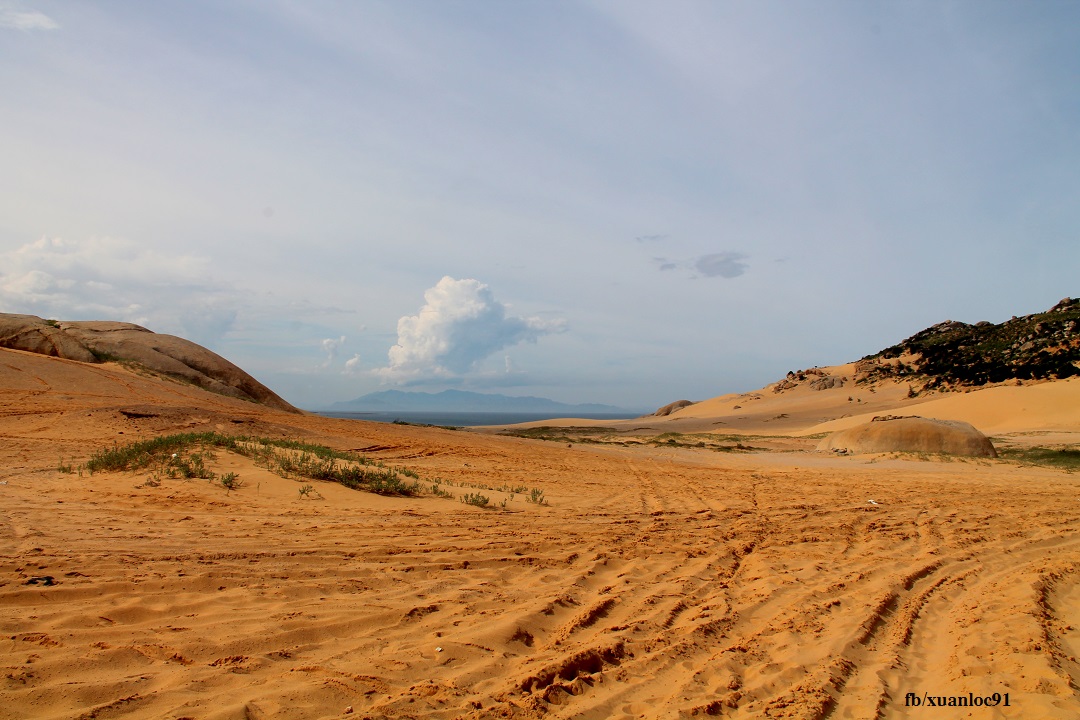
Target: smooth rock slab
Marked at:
911, 434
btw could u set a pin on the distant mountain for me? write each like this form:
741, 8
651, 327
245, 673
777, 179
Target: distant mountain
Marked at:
463, 401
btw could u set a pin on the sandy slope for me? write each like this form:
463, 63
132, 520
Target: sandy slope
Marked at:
1001, 409
655, 583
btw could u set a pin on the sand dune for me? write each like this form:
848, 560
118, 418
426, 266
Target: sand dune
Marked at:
1002, 409
656, 583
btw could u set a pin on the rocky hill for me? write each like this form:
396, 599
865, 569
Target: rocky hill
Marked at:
133, 345
952, 354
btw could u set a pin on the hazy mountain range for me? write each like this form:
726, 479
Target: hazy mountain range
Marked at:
463, 401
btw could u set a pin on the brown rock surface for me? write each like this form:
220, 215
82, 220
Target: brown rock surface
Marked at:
102, 341
911, 434
672, 407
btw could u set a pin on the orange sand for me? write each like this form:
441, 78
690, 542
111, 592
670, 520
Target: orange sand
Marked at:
657, 583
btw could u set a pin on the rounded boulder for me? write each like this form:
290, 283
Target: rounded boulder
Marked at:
911, 434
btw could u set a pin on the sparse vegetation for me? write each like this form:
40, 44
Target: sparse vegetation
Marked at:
611, 436
512, 489
426, 425
172, 455
437, 490
572, 434
190, 466
475, 499
187, 455
955, 354
705, 442
152, 481
230, 481
1066, 458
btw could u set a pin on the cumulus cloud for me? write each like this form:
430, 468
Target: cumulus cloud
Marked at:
460, 324
25, 20
116, 279
725, 265
352, 365
331, 346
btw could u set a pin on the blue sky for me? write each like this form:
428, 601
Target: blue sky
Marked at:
621, 202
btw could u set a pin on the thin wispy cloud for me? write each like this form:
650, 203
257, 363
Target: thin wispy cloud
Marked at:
725, 265
331, 346
25, 20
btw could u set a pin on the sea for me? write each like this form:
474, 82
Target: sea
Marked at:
469, 419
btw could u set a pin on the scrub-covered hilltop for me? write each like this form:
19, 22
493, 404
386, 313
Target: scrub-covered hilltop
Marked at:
951, 354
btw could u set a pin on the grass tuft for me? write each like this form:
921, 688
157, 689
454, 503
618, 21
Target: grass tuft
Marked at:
475, 499
185, 454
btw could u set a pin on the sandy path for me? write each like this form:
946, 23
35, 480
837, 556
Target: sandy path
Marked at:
656, 582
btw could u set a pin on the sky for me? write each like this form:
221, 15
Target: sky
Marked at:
616, 201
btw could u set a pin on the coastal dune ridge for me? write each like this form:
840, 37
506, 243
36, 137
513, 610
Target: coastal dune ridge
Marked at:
178, 547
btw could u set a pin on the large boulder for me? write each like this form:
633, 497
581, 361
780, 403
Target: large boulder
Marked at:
97, 342
911, 434
32, 334
671, 407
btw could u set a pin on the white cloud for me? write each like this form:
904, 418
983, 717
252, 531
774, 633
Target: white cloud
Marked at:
352, 365
111, 278
331, 346
460, 324
26, 20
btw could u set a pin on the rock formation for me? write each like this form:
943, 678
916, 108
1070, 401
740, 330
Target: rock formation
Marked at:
910, 434
167, 355
954, 354
671, 407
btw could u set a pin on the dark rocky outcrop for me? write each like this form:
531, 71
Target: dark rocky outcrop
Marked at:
955, 354
166, 355
815, 379
911, 434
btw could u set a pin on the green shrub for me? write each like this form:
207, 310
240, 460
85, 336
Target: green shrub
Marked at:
287, 458
230, 481
475, 499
